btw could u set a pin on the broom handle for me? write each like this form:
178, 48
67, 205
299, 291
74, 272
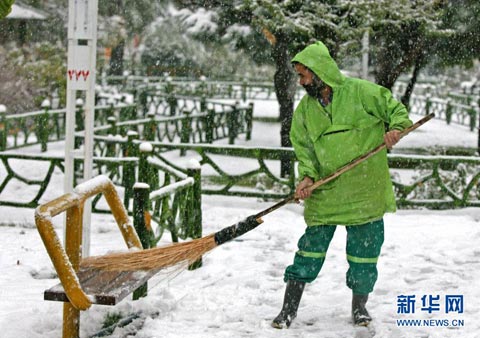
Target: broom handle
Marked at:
345, 168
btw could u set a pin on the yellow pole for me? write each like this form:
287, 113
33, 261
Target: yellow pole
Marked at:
60, 260
120, 214
73, 248
71, 321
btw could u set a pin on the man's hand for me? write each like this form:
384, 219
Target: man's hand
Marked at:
391, 138
302, 192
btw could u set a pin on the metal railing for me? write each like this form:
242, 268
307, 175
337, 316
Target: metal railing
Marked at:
446, 109
438, 181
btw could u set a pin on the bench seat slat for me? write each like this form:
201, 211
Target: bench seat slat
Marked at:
103, 287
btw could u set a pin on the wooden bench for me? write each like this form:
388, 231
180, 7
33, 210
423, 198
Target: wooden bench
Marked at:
103, 287
82, 286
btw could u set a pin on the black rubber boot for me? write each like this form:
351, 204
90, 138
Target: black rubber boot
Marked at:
360, 314
293, 294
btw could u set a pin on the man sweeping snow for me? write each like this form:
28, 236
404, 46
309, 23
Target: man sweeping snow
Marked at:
338, 120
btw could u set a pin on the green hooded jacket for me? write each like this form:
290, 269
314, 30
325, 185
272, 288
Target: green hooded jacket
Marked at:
326, 138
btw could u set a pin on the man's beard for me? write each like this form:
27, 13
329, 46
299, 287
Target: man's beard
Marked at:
313, 89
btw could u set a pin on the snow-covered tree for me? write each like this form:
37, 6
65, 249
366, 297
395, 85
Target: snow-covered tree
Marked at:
186, 42
30, 75
167, 49
463, 46
402, 34
5, 8
130, 18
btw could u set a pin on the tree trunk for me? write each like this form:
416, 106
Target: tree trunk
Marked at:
116, 60
411, 84
285, 90
385, 71
389, 67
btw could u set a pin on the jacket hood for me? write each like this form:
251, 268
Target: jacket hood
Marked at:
317, 58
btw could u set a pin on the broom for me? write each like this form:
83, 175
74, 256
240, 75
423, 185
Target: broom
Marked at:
162, 257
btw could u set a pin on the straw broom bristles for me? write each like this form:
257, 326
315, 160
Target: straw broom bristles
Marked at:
170, 255
155, 258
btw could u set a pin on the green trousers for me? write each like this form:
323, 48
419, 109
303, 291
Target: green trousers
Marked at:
363, 248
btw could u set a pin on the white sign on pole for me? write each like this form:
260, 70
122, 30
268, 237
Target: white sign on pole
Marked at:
82, 47
80, 12
79, 71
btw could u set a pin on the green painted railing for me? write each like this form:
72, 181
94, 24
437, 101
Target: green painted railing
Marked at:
110, 140
175, 197
232, 90
20, 187
436, 182
159, 95
258, 166
175, 203
189, 127
44, 126
15, 181
446, 109
214, 119
194, 120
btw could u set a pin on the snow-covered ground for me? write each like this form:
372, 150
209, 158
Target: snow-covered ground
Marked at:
239, 289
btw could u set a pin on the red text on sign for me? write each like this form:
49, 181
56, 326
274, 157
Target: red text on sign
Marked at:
77, 74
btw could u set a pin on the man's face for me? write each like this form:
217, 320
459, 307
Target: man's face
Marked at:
305, 76
307, 79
